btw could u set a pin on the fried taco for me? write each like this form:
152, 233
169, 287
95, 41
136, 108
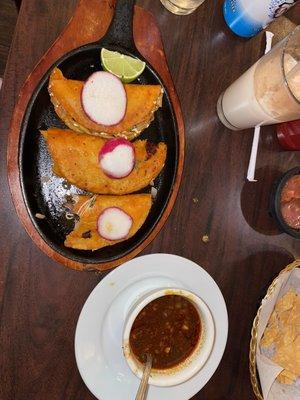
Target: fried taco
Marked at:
76, 158
142, 102
107, 220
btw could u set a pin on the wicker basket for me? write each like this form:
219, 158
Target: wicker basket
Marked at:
253, 343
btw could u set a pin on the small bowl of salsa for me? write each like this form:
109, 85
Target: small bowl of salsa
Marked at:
285, 202
176, 327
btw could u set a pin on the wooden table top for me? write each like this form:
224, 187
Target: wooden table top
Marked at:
40, 300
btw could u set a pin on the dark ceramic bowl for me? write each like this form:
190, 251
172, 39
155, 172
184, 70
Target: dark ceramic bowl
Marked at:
275, 207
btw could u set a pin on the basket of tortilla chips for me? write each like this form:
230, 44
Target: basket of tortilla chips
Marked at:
275, 339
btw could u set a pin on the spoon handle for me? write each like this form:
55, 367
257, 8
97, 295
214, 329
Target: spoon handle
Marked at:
141, 393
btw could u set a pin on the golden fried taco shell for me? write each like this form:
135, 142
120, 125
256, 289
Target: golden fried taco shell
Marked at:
85, 235
75, 158
142, 102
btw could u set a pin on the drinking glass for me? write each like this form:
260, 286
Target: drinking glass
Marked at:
268, 92
181, 7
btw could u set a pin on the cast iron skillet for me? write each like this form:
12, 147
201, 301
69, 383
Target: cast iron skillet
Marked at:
46, 194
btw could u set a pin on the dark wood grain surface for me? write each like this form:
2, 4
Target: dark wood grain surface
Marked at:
8, 18
41, 300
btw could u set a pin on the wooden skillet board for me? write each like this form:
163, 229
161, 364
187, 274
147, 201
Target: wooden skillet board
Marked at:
93, 17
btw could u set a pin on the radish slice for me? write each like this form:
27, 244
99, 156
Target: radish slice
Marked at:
117, 158
103, 98
114, 224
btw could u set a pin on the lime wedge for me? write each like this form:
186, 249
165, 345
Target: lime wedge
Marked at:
124, 67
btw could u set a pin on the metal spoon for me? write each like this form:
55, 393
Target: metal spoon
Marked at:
142, 390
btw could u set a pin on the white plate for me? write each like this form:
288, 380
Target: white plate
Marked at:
98, 337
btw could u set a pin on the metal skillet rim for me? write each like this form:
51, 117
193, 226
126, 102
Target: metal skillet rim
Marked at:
42, 82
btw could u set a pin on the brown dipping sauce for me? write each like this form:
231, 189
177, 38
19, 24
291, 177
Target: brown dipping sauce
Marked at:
290, 202
168, 328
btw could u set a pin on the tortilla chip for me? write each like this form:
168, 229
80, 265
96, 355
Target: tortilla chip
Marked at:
75, 158
283, 332
269, 336
85, 235
286, 302
142, 102
287, 355
286, 377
